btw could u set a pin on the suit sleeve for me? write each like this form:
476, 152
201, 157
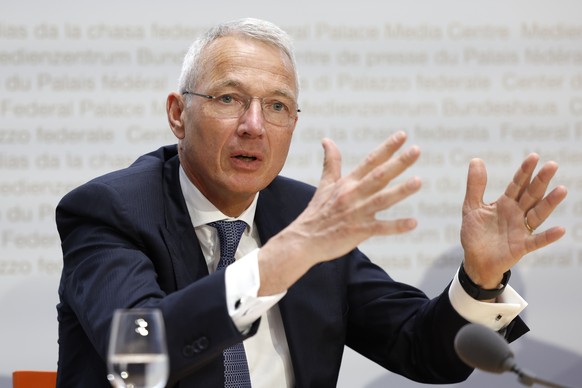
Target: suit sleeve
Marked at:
115, 257
398, 327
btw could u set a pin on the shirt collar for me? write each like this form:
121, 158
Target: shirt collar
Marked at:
202, 211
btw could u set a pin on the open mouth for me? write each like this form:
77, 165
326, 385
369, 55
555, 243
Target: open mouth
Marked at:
246, 158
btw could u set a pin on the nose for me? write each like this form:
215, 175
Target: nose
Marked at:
252, 122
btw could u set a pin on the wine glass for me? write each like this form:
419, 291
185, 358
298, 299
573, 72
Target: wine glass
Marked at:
137, 356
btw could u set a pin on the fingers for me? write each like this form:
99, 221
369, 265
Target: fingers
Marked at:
380, 155
522, 177
364, 192
385, 199
383, 174
376, 171
542, 210
529, 193
389, 197
533, 192
380, 166
548, 237
386, 228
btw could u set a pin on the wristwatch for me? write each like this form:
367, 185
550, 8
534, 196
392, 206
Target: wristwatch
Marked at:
477, 292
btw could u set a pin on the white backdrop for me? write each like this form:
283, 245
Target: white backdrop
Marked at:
82, 92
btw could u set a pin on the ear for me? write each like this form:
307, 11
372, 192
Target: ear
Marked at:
174, 109
295, 123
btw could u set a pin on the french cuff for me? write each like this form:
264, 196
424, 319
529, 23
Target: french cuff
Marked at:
496, 316
242, 281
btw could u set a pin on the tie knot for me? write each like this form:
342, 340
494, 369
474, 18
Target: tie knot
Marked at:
229, 234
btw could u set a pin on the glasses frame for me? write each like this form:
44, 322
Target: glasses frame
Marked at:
209, 97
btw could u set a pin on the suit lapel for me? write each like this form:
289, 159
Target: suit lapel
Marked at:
178, 233
271, 217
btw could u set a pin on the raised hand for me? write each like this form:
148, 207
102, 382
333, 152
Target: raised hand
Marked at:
342, 213
496, 236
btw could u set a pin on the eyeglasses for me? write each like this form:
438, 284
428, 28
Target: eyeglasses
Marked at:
232, 106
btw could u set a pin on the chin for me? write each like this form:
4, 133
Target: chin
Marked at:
251, 183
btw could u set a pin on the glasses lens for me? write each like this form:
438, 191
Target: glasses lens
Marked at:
280, 113
281, 119
225, 106
233, 106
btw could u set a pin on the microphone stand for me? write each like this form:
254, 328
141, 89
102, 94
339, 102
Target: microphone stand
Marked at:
528, 379
482, 348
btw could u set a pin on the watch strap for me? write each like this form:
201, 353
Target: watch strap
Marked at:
477, 292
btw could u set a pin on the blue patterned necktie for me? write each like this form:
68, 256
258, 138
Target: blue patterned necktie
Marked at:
236, 370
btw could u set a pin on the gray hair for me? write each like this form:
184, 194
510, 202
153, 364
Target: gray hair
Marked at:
253, 28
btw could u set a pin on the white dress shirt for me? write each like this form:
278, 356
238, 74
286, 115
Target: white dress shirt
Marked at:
267, 351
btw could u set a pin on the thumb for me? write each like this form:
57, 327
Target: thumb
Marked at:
476, 183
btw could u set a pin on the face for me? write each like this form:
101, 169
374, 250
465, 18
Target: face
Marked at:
230, 160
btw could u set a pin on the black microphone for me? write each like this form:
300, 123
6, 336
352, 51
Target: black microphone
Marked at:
482, 348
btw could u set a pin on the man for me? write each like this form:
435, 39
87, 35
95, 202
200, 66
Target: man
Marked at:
299, 290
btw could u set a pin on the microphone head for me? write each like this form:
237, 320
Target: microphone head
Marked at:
482, 348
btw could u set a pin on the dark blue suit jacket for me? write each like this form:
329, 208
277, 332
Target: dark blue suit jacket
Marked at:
128, 241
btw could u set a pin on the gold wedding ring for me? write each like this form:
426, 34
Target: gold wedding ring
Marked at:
531, 230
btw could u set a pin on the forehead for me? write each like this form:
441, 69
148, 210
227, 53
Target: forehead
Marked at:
248, 63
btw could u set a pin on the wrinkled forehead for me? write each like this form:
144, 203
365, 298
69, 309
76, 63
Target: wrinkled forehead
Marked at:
233, 59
